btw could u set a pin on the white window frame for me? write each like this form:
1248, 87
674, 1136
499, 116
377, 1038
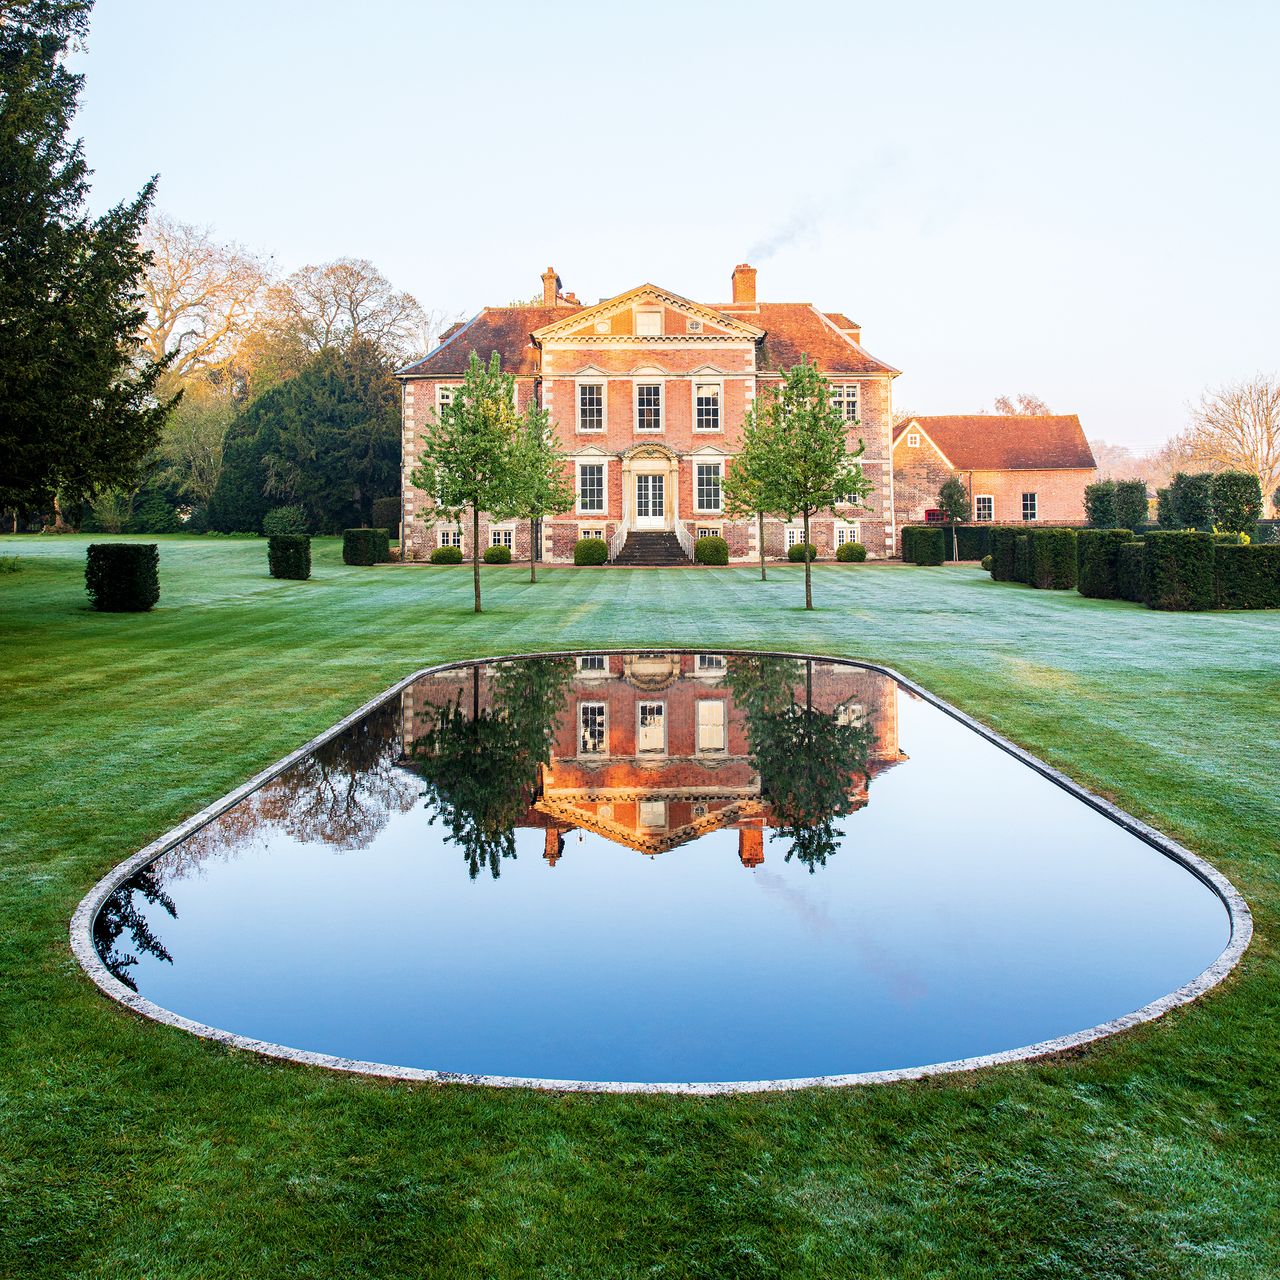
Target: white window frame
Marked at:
503, 535
656, 312
604, 405
591, 531
794, 535
652, 751
708, 531
989, 518
604, 487
842, 395
718, 466
599, 665
913, 439
723, 747
712, 662
1035, 507
447, 537
662, 406
603, 707
649, 807
444, 393
718, 383
847, 531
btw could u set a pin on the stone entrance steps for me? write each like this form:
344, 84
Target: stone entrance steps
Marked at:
654, 548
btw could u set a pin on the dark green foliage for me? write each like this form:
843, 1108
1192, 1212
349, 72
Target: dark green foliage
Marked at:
590, 551
1099, 561
153, 512
1003, 553
289, 555
239, 504
711, 550
1100, 504
851, 553
1166, 513
1191, 500
928, 545
447, 555
1237, 501
908, 533
802, 551
1131, 572
365, 546
986, 563
386, 515
197, 521
1179, 571
1247, 577
278, 520
1022, 558
1052, 555
122, 577
497, 555
1131, 504
974, 541
1231, 539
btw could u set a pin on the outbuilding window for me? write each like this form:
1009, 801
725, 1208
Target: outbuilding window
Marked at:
1029, 506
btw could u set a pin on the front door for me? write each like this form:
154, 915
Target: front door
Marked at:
651, 511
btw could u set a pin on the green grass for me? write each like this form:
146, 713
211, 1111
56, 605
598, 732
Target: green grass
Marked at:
130, 1150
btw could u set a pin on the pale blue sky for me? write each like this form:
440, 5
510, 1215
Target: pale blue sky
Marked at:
1078, 200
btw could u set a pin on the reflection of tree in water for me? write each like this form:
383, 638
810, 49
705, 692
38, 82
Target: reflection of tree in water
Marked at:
807, 759
481, 764
120, 915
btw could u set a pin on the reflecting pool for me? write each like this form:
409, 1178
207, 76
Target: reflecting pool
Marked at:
659, 867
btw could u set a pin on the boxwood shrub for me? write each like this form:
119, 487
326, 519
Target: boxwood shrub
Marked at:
851, 553
289, 555
1131, 572
1179, 571
122, 577
1099, 561
928, 544
386, 515
497, 555
711, 550
365, 546
447, 555
1003, 545
797, 554
590, 551
1247, 577
1052, 555
292, 519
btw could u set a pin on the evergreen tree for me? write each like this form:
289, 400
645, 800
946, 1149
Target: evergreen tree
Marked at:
77, 406
953, 502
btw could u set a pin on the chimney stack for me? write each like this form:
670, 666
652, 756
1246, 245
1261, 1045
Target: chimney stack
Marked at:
744, 283
550, 287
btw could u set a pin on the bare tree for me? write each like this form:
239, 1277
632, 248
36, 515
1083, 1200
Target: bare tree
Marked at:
1115, 461
1024, 402
194, 436
200, 296
1237, 427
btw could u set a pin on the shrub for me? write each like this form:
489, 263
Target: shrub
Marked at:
1237, 500
1179, 571
986, 563
289, 555
802, 551
447, 555
1247, 577
1166, 513
386, 515
851, 553
1100, 504
1099, 561
908, 533
282, 520
590, 551
711, 550
1131, 504
929, 544
497, 555
1003, 547
1131, 572
365, 546
122, 577
1052, 559
1192, 500
973, 541
1021, 558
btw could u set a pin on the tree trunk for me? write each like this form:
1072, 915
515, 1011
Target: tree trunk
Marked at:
808, 580
760, 518
533, 549
475, 553
59, 524
955, 545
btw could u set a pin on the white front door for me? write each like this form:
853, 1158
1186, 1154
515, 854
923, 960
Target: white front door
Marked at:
651, 510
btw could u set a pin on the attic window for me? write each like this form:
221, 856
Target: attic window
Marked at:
648, 324
913, 439
602, 326
695, 326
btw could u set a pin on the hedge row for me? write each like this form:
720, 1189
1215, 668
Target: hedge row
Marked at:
1044, 558
924, 544
365, 546
1098, 561
1247, 577
289, 555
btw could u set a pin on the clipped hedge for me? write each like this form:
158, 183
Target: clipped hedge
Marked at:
1131, 572
386, 515
1052, 559
1179, 571
447, 555
590, 551
797, 554
1021, 558
365, 546
497, 555
973, 541
711, 550
1003, 547
851, 553
289, 555
122, 577
280, 520
929, 545
1247, 577
1098, 552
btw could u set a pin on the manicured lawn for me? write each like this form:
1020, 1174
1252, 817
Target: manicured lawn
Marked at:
129, 1150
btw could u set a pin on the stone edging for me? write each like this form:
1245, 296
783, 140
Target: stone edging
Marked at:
1241, 922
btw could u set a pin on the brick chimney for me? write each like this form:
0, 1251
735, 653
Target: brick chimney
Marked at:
744, 283
550, 287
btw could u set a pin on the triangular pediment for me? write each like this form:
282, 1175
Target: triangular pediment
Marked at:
597, 324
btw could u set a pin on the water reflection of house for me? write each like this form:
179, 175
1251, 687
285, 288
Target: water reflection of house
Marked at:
651, 751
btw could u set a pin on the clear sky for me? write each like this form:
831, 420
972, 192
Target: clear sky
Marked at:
1076, 200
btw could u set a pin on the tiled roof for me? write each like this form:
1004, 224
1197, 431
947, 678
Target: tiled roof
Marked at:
795, 329
1013, 442
840, 320
505, 330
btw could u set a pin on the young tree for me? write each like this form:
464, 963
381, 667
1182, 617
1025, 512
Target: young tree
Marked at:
808, 465
471, 449
953, 501
539, 484
78, 411
746, 491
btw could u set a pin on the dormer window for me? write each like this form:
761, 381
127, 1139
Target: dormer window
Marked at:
648, 324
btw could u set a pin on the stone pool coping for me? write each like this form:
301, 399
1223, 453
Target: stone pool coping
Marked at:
1241, 922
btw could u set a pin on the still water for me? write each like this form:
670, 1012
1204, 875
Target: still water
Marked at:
675, 867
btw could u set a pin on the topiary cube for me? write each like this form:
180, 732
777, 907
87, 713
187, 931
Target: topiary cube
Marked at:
122, 577
365, 546
289, 555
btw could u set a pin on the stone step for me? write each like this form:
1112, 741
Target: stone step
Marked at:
651, 547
